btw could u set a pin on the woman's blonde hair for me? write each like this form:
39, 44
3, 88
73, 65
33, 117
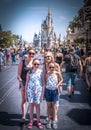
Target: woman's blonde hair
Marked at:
50, 53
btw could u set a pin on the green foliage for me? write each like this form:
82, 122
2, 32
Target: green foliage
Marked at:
7, 38
74, 23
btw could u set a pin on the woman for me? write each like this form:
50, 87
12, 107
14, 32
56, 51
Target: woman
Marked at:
34, 92
23, 67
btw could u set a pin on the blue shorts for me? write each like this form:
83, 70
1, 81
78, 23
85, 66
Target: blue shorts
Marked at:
70, 78
23, 82
51, 95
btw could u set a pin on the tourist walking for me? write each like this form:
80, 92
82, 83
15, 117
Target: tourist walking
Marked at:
72, 65
88, 71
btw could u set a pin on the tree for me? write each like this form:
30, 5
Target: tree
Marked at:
74, 23
0, 28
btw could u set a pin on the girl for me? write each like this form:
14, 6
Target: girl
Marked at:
34, 92
52, 88
48, 58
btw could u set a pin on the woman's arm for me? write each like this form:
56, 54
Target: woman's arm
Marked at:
19, 73
43, 84
27, 79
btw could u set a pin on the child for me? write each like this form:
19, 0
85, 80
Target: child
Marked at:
52, 89
34, 92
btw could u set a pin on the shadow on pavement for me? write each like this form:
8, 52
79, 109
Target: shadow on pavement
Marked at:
80, 116
81, 95
13, 119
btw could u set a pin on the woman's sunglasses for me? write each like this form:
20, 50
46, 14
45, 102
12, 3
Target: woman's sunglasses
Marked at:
31, 53
36, 64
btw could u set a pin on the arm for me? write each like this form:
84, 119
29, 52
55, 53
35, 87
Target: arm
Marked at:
57, 67
60, 80
43, 84
81, 68
27, 79
19, 73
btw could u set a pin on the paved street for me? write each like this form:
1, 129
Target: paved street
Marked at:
72, 115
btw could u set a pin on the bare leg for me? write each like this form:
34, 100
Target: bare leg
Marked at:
49, 110
31, 111
87, 80
38, 112
73, 87
54, 108
23, 103
69, 90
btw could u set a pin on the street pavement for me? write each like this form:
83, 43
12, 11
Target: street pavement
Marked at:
74, 114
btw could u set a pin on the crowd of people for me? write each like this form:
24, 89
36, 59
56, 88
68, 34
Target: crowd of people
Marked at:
38, 83
10, 55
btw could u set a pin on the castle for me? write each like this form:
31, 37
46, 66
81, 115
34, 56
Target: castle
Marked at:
47, 38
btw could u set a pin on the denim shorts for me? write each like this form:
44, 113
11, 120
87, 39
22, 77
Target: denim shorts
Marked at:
23, 82
51, 95
70, 78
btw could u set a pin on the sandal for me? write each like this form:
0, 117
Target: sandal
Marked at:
39, 124
30, 124
54, 125
48, 126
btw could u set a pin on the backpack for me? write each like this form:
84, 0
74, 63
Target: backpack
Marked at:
74, 62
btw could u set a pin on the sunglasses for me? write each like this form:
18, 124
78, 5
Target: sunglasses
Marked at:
51, 67
47, 56
36, 64
31, 53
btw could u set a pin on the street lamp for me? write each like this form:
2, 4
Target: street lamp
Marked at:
87, 25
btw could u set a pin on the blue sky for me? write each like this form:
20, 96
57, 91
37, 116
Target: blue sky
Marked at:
24, 17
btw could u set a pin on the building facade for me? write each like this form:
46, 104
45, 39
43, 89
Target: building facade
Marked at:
82, 28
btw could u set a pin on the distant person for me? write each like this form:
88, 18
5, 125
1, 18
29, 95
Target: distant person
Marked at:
58, 57
78, 52
8, 55
72, 64
1, 59
13, 55
88, 71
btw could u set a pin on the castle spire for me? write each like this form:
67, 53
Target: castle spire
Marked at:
49, 13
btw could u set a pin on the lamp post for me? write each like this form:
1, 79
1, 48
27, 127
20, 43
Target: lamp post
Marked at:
87, 25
